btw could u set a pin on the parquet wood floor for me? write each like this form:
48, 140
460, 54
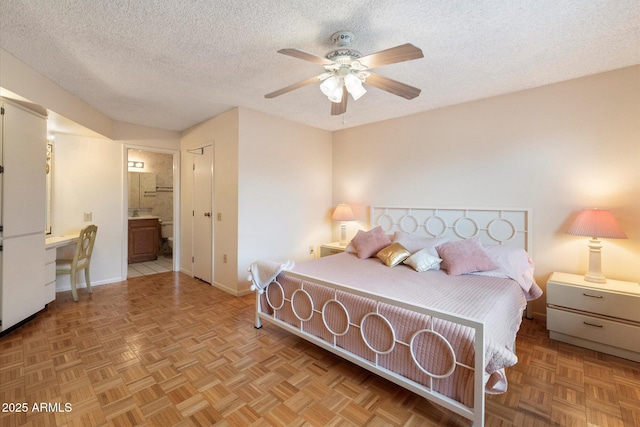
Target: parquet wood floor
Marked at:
168, 350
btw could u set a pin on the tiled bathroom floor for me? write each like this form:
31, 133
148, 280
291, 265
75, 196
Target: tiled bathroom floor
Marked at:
163, 264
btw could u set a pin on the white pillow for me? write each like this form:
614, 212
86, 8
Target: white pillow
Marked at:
422, 260
415, 243
513, 263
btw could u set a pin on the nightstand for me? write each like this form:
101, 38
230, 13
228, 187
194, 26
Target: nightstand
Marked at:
331, 249
603, 317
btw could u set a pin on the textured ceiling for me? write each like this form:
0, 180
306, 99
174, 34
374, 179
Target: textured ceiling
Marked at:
174, 63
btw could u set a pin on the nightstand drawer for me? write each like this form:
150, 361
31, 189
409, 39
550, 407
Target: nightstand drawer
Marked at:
593, 300
594, 329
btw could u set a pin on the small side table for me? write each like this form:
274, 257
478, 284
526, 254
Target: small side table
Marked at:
331, 249
602, 317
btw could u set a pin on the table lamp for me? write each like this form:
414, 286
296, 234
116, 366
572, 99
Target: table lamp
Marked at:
596, 223
343, 213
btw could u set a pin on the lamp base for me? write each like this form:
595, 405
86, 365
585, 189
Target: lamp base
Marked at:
343, 233
595, 263
594, 279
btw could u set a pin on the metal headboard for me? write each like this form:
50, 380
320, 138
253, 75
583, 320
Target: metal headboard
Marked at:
493, 226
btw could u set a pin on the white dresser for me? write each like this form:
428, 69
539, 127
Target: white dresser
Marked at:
603, 317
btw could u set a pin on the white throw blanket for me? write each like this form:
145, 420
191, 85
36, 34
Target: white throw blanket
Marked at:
264, 272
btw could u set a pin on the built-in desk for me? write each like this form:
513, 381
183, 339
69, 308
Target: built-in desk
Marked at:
52, 244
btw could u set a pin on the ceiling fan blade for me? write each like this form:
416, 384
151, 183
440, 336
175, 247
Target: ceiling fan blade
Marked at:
296, 53
393, 55
293, 86
393, 86
340, 108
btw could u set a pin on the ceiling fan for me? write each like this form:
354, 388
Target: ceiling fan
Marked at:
345, 71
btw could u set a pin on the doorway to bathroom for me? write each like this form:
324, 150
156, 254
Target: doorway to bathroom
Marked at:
152, 211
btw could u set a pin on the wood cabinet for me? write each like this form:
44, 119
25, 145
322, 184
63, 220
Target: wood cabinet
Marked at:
144, 239
602, 317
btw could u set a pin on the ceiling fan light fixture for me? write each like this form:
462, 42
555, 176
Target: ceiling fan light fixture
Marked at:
336, 95
330, 85
354, 86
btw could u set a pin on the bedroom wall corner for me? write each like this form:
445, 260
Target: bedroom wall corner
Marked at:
222, 132
88, 177
284, 203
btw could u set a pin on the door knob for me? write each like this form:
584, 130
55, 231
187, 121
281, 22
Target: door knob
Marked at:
207, 214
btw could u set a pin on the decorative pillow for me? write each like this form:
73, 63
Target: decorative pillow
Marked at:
513, 263
423, 261
393, 254
368, 243
352, 250
464, 256
349, 248
415, 243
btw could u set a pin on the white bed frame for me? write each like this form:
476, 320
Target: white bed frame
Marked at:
493, 226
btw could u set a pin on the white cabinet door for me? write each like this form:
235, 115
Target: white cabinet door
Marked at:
22, 278
24, 162
23, 217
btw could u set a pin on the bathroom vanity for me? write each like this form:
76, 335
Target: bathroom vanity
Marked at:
144, 239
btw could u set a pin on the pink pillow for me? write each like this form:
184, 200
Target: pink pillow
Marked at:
464, 256
368, 243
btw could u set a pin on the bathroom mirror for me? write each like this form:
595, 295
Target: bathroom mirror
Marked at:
142, 189
49, 183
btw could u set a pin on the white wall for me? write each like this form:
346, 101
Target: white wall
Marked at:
556, 149
284, 189
87, 177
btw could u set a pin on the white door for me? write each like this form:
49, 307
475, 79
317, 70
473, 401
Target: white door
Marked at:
203, 214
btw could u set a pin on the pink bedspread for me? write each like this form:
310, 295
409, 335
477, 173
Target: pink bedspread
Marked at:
497, 302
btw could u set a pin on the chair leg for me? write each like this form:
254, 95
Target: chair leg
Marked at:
88, 280
74, 291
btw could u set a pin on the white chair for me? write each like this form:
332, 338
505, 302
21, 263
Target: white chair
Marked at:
81, 260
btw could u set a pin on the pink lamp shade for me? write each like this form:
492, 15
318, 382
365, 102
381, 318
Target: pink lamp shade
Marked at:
596, 223
343, 213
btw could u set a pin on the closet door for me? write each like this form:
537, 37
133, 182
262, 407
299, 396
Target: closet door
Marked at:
202, 215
